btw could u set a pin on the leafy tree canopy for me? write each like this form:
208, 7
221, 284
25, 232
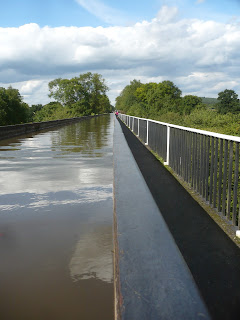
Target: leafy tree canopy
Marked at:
12, 108
163, 102
189, 102
128, 96
149, 98
84, 95
33, 110
228, 102
52, 111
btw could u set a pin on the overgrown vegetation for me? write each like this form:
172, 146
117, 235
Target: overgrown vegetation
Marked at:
12, 108
76, 97
86, 95
81, 95
209, 101
163, 102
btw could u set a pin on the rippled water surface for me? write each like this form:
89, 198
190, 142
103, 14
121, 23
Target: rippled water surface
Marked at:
56, 223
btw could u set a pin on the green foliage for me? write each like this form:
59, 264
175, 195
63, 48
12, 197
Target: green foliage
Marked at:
81, 95
76, 97
52, 111
36, 107
189, 103
205, 119
228, 102
12, 108
151, 99
163, 97
209, 101
163, 102
33, 110
128, 96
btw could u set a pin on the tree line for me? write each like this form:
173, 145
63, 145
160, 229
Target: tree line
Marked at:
87, 94
164, 102
76, 97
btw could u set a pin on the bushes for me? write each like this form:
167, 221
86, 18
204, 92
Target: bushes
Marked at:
163, 102
12, 108
52, 111
76, 97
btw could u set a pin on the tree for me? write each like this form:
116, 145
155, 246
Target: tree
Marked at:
52, 111
104, 104
228, 102
128, 96
189, 103
36, 107
97, 93
12, 108
142, 91
150, 99
83, 94
33, 110
164, 97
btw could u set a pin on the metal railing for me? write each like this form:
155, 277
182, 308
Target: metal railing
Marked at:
207, 161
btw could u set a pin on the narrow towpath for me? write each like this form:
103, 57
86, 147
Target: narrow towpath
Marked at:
213, 259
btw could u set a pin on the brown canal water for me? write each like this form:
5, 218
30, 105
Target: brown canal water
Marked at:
56, 213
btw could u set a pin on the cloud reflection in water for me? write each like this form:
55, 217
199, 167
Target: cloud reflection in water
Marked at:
15, 201
92, 256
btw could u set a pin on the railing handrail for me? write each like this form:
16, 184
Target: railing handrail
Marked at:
204, 132
207, 161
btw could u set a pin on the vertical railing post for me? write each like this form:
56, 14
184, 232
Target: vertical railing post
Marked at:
133, 124
168, 146
147, 134
138, 128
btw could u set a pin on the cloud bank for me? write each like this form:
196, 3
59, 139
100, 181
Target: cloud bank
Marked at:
201, 57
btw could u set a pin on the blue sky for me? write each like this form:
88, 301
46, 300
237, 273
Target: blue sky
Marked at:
194, 43
55, 13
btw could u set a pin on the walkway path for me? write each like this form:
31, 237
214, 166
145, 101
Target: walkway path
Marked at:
213, 259
152, 279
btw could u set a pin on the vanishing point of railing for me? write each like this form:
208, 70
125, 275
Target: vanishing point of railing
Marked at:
207, 161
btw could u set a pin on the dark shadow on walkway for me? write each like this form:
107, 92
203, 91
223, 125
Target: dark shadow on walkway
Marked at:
212, 257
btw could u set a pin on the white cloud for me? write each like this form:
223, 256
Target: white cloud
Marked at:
207, 83
29, 86
33, 91
185, 51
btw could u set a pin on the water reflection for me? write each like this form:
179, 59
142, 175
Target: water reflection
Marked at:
91, 257
56, 223
48, 162
87, 138
27, 200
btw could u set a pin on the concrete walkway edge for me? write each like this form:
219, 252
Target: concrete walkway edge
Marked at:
152, 280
